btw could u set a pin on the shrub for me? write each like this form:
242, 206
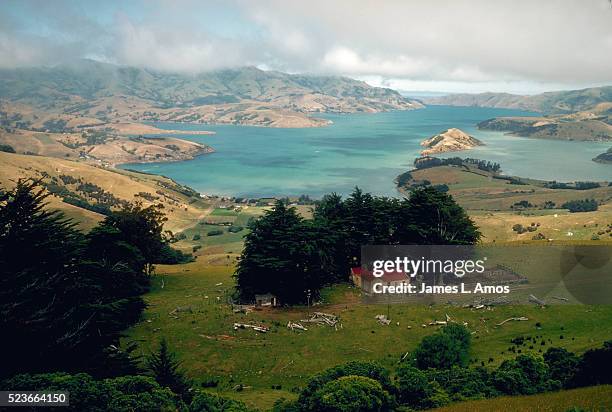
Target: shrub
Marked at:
126, 393
413, 385
586, 205
208, 402
562, 364
355, 368
524, 375
7, 148
352, 393
447, 348
594, 367
465, 383
214, 232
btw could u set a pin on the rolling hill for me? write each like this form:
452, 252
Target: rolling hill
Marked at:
568, 115
561, 102
101, 92
84, 191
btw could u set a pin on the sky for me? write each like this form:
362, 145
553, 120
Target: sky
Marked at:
516, 46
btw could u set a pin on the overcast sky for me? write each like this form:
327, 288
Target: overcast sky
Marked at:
520, 46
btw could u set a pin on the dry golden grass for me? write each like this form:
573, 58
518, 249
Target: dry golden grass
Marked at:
182, 211
489, 202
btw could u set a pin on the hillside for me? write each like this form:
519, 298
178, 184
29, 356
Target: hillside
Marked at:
560, 102
604, 157
451, 140
102, 93
497, 203
578, 126
571, 115
84, 191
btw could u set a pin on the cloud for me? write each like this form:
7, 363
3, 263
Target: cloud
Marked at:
184, 50
482, 43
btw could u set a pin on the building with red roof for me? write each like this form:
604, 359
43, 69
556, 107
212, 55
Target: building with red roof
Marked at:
365, 279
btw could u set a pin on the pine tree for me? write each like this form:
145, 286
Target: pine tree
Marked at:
431, 217
61, 306
165, 368
285, 256
38, 281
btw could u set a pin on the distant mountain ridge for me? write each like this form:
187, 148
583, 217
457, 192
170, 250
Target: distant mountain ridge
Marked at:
65, 87
560, 102
568, 115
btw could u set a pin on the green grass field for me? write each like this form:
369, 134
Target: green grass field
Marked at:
209, 347
595, 399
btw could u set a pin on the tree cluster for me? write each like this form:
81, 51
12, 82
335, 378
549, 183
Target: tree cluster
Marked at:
65, 296
288, 256
424, 381
428, 162
121, 394
576, 206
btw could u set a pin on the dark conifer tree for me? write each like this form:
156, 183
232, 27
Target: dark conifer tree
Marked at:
431, 217
283, 255
165, 368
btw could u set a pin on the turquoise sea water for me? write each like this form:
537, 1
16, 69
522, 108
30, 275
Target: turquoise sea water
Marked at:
368, 150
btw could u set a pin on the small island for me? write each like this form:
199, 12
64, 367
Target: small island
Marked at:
451, 140
605, 157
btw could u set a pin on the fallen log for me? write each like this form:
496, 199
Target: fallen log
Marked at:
257, 328
520, 318
294, 325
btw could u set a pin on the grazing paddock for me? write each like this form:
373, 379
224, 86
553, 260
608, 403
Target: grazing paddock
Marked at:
210, 348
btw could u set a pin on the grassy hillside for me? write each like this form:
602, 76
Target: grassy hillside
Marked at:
570, 115
567, 101
78, 179
492, 203
594, 124
202, 333
596, 398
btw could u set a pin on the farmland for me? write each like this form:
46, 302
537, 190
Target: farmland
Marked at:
495, 205
211, 350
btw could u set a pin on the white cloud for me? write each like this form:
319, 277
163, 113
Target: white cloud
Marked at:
474, 44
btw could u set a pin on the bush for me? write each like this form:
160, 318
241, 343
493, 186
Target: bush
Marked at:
356, 368
465, 383
594, 367
413, 385
576, 206
562, 365
7, 148
235, 229
447, 348
524, 375
352, 393
214, 232
126, 393
208, 402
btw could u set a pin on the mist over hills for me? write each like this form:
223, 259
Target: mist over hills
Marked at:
49, 87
